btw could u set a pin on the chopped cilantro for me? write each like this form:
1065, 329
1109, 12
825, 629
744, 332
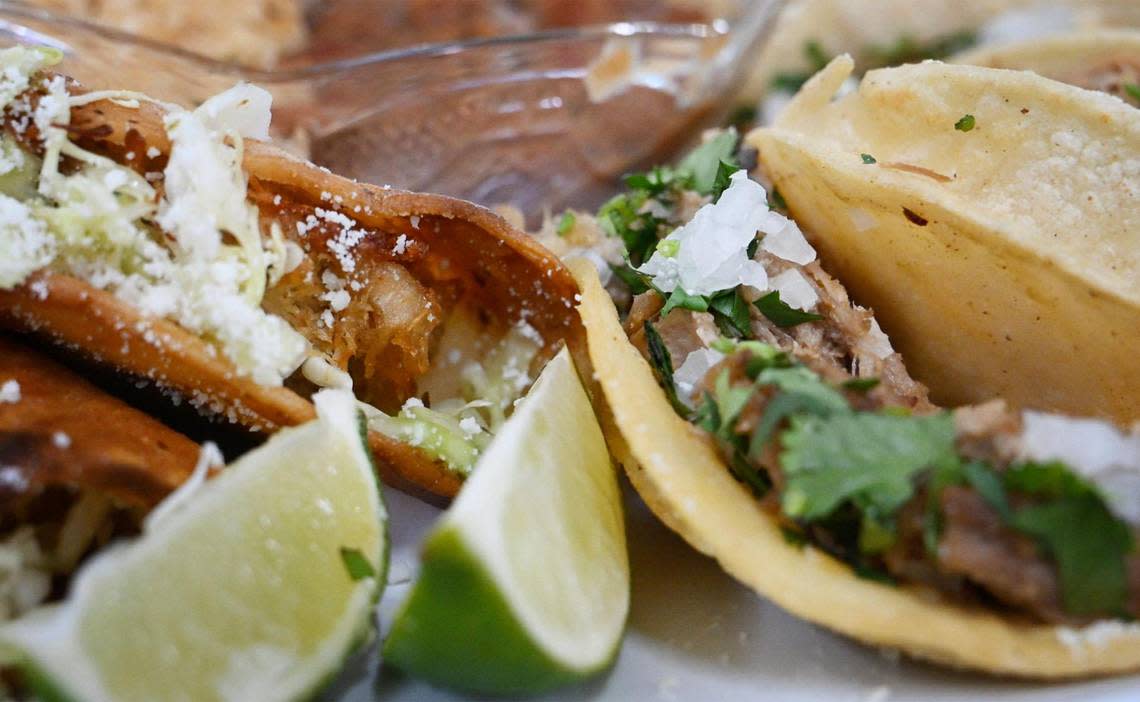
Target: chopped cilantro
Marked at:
782, 314
875, 535
868, 459
861, 384
1074, 525
802, 392
621, 217
668, 247
965, 124
566, 223
356, 564
793, 537
655, 182
636, 281
909, 50
662, 364
868, 158
682, 299
778, 201
703, 164
743, 116
723, 178
730, 312
1132, 90
816, 57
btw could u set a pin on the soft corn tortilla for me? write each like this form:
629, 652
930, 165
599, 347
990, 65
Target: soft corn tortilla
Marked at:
480, 262
1063, 57
66, 432
1002, 261
682, 479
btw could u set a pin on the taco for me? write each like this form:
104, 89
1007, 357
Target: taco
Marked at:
1104, 60
997, 204
177, 248
79, 467
895, 32
766, 418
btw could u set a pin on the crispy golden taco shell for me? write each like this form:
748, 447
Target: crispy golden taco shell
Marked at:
64, 431
468, 256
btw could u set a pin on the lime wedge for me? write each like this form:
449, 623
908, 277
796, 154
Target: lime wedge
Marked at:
256, 587
525, 581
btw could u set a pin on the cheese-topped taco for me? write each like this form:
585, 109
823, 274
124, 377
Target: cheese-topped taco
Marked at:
177, 247
77, 468
767, 419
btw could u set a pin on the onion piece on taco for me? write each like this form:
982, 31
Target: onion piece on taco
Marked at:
178, 248
988, 216
768, 420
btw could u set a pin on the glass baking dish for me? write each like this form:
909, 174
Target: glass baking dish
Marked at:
539, 121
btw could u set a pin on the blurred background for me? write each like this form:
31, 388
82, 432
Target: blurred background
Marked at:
539, 104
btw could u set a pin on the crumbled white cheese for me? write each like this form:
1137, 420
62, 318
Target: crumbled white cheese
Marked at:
470, 426
795, 290
696, 366
60, 440
243, 109
401, 245
10, 392
25, 244
711, 253
95, 223
1095, 636
1091, 448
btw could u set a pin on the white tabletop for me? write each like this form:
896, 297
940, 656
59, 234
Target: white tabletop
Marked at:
696, 634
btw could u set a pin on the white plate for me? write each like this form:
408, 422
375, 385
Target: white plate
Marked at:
695, 634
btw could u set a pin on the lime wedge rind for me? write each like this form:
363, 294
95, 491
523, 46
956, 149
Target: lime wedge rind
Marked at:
525, 581
312, 479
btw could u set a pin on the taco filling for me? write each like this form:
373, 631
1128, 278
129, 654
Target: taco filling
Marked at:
290, 296
812, 411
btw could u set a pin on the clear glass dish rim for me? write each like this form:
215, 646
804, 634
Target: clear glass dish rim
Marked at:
11, 11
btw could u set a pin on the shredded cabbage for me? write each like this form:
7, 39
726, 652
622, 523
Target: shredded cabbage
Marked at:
207, 268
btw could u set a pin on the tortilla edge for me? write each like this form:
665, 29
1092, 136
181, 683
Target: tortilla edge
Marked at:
686, 485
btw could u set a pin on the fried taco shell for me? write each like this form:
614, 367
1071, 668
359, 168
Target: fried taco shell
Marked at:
64, 431
989, 217
408, 271
686, 481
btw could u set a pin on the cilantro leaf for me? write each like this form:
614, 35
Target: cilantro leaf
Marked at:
966, 123
868, 459
868, 159
662, 363
861, 384
778, 201
704, 162
682, 299
1089, 545
356, 564
621, 217
723, 178
1132, 90
566, 223
636, 281
781, 313
801, 392
1074, 526
730, 312
909, 50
